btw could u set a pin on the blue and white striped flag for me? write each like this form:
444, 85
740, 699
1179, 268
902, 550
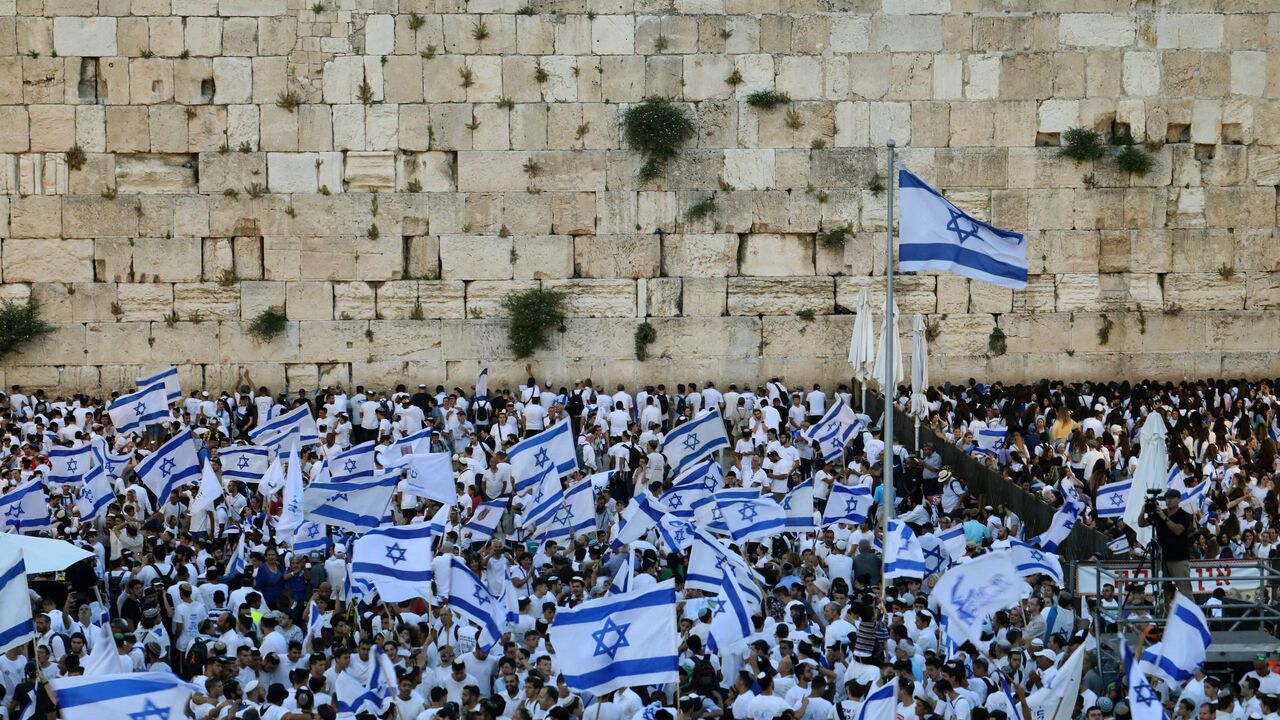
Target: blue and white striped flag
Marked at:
355, 507
1194, 499
244, 462
639, 517
838, 415
133, 412
113, 464
16, 624
470, 598
1184, 645
173, 465
575, 515
416, 444
68, 465
291, 512
239, 557
168, 379
621, 581
694, 440
25, 508
991, 440
396, 560
315, 624
903, 556
831, 434
798, 507
428, 475
29, 710
881, 703
482, 385
1059, 527
937, 235
731, 618
310, 537
675, 532
710, 561
373, 696
1031, 560
274, 432
681, 497
971, 592
619, 641
1144, 703
483, 524
95, 495
138, 696
1111, 499
753, 519
353, 465
707, 512
953, 542
549, 452
847, 504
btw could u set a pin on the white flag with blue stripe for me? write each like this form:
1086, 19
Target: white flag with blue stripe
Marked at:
291, 512
355, 507
991, 440
375, 695
710, 562
25, 508
936, 558
94, 495
68, 465
1031, 560
881, 703
469, 597
428, 475
131, 696
953, 542
396, 560
832, 433
173, 465
731, 618
484, 521
16, 624
549, 452
707, 512
752, 519
273, 432
1060, 526
168, 379
113, 464
239, 557
1194, 499
619, 641
418, 443
971, 592
575, 515
847, 504
694, 440
903, 556
1144, 703
696, 482
245, 463
482, 385
639, 517
1184, 645
936, 235
352, 465
132, 413
1111, 499
798, 507
309, 537
621, 581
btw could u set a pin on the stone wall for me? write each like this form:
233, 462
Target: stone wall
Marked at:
388, 170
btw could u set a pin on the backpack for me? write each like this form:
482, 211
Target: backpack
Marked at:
193, 661
166, 576
576, 406
704, 675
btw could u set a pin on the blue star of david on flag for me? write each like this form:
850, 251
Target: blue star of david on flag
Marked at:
691, 442
396, 554
481, 595
1037, 556
13, 515
313, 531
610, 628
961, 233
166, 466
349, 465
747, 511
1143, 693
541, 458
675, 502
243, 462
679, 535
72, 465
851, 505
338, 496
140, 409
721, 561
150, 711
564, 515
1117, 500
86, 494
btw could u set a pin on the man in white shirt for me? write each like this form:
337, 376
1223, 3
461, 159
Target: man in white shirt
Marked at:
817, 402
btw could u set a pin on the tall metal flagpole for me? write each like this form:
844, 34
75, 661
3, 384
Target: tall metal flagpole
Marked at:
887, 387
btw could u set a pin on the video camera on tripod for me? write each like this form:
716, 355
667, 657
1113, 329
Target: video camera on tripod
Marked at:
1151, 504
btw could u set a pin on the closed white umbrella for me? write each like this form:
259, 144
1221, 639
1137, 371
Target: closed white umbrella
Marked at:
889, 384
862, 345
1152, 472
919, 374
42, 555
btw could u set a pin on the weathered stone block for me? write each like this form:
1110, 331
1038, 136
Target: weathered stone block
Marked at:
700, 255
197, 302
781, 296
597, 298
475, 257
618, 256
1204, 291
84, 36
541, 257
776, 255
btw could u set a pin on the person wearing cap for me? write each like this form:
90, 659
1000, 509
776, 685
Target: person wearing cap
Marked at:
1173, 527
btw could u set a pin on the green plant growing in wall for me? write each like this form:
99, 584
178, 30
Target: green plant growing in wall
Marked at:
1081, 144
657, 129
700, 209
20, 323
767, 99
1104, 329
416, 22
76, 157
1133, 158
876, 184
268, 324
997, 342
288, 100
807, 315
835, 238
645, 336
533, 312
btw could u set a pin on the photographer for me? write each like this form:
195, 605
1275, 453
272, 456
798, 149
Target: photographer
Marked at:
1172, 525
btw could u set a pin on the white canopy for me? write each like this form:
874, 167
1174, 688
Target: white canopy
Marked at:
919, 369
42, 555
862, 345
1152, 472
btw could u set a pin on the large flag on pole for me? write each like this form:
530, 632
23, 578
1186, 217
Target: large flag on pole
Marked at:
273, 432
881, 703
133, 412
694, 440
68, 465
550, 451
16, 625
971, 592
168, 379
396, 560
95, 494
244, 462
141, 696
25, 508
356, 507
937, 235
175, 464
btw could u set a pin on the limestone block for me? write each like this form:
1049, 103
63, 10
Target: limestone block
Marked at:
219, 171
1262, 290
144, 301
661, 296
781, 296
704, 76
1141, 73
573, 213
612, 35
233, 80
1240, 207
292, 172
354, 301
1204, 291
65, 345
257, 296
618, 256
406, 340
84, 36
442, 298
906, 33
370, 171
540, 257
734, 337
309, 300
474, 257
776, 255
48, 261
1188, 30
749, 169
984, 77
167, 259
1096, 30
156, 173
53, 127
704, 297
1062, 251
912, 293
197, 302
988, 298
484, 297
88, 216
842, 167
72, 302
597, 298
700, 255
379, 35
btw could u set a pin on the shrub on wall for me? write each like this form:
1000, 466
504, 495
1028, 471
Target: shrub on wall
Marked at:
645, 336
20, 323
533, 312
268, 324
657, 129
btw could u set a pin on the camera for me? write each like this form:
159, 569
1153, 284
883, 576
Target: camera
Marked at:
1151, 503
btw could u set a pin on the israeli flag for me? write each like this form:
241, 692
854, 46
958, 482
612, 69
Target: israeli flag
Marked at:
1144, 703
114, 464
847, 504
291, 510
953, 541
353, 465
244, 463
416, 444
621, 582
991, 440
168, 380
836, 439
309, 537
273, 432
543, 501
239, 557
1059, 527
837, 416
95, 495
1193, 500
396, 560
68, 465
549, 452
903, 556
637, 519
375, 695
209, 493
576, 514
708, 512
175, 464
354, 507
731, 618
971, 592
482, 385
936, 235
619, 641
469, 597
694, 440
753, 519
429, 475
483, 524
1111, 499
710, 562
1184, 645
676, 533
881, 703
132, 413
25, 508
936, 558
16, 624
698, 482
1031, 560
315, 625
137, 696
29, 710
798, 507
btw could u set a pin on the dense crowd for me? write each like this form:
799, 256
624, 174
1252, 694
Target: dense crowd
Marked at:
164, 584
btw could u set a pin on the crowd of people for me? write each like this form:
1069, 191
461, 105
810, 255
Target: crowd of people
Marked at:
164, 584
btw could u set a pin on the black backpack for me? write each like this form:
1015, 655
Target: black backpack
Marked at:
193, 661
576, 406
704, 674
